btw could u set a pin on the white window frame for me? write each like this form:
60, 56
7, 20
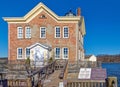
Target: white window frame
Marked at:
40, 32
79, 54
56, 32
81, 39
79, 35
55, 53
64, 32
27, 34
63, 53
19, 32
18, 53
26, 56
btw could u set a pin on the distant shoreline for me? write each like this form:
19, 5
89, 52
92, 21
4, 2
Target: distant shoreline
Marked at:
109, 58
110, 62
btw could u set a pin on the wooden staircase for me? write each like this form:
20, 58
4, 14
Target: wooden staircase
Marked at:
52, 80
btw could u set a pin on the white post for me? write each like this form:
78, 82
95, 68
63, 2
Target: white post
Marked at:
61, 84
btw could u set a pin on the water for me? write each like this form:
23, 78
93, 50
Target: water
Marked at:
113, 69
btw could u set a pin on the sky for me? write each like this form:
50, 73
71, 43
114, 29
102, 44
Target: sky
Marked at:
102, 21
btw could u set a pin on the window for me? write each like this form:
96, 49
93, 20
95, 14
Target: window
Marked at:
28, 32
79, 55
42, 16
57, 32
65, 53
79, 35
42, 32
57, 53
20, 32
65, 32
19, 53
27, 52
82, 39
82, 55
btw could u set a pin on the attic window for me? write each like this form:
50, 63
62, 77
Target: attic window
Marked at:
42, 16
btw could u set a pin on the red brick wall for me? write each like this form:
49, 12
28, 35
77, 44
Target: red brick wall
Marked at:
35, 25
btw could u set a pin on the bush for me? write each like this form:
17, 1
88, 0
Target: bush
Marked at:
27, 61
50, 60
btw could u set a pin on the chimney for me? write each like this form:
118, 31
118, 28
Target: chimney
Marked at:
78, 12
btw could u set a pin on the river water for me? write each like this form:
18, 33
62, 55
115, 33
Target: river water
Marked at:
113, 69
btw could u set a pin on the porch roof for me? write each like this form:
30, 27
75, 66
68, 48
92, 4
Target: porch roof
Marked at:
49, 48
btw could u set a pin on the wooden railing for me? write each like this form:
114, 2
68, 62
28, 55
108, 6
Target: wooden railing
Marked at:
60, 63
16, 74
38, 76
18, 83
74, 66
63, 71
85, 84
21, 74
73, 71
43, 73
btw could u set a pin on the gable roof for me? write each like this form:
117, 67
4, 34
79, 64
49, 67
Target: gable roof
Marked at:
87, 56
41, 7
36, 10
39, 44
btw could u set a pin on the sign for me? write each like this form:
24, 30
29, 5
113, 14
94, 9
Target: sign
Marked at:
92, 74
98, 74
85, 73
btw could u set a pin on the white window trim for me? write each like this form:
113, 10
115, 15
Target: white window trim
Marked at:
26, 32
22, 53
63, 31
55, 52
55, 31
18, 33
79, 35
40, 32
63, 53
25, 54
81, 39
79, 54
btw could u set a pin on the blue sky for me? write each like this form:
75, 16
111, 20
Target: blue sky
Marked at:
102, 19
